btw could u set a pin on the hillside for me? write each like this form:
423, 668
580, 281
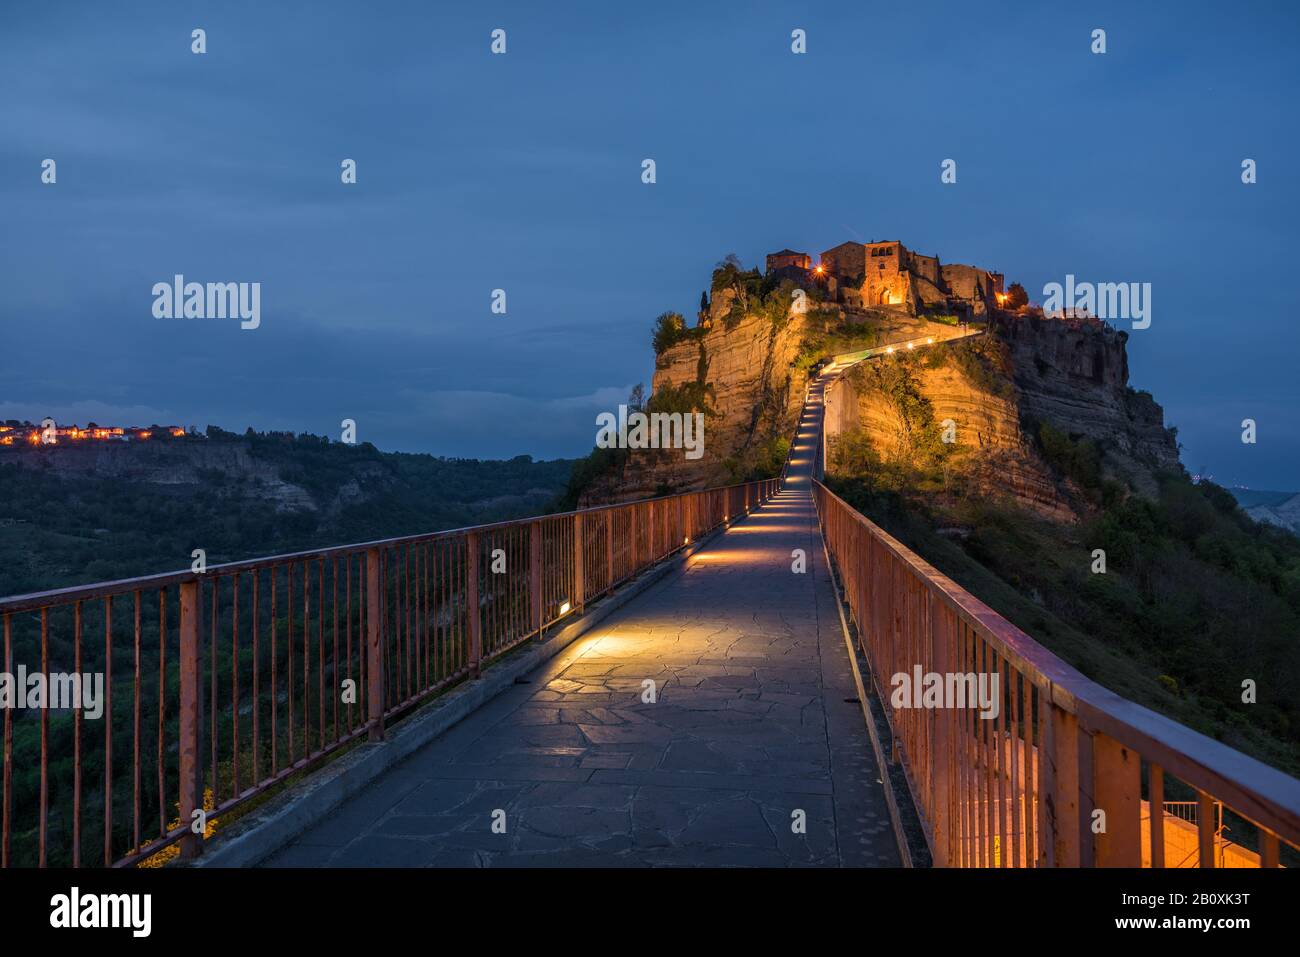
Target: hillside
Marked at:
71, 514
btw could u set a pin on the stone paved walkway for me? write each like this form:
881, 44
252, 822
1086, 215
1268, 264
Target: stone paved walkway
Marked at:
756, 719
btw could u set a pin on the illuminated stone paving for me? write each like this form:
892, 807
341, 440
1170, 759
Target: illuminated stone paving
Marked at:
755, 724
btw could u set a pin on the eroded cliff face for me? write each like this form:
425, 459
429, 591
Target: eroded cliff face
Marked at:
986, 400
1074, 374
982, 419
996, 391
753, 396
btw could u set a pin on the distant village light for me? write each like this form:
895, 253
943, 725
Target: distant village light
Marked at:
54, 435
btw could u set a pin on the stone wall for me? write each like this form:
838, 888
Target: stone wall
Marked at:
846, 261
969, 284
927, 267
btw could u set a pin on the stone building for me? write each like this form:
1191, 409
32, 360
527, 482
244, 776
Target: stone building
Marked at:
888, 274
788, 264
788, 258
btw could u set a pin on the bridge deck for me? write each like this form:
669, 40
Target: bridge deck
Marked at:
756, 718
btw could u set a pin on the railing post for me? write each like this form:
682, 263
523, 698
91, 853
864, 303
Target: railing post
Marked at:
634, 553
1061, 802
1205, 829
191, 787
609, 549
535, 574
941, 802
1156, 790
374, 650
1269, 849
579, 579
1117, 790
472, 610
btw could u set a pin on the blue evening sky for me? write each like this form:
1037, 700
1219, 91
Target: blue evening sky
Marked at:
522, 172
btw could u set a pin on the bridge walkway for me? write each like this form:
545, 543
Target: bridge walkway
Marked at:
755, 726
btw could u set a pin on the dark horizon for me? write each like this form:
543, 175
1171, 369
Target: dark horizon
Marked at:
522, 172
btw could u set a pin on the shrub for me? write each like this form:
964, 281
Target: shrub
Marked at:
670, 329
986, 364
688, 397
1080, 460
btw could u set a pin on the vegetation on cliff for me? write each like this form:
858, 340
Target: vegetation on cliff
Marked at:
670, 328
749, 292
601, 464
829, 333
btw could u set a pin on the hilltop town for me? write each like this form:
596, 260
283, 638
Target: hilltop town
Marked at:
761, 332
887, 274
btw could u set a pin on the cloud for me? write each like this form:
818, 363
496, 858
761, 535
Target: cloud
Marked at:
494, 424
90, 410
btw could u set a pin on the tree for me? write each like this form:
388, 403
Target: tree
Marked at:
1016, 296
670, 328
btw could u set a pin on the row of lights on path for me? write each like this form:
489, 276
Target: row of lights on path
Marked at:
911, 345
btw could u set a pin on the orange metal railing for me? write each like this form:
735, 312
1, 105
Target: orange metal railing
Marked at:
220, 685
1024, 788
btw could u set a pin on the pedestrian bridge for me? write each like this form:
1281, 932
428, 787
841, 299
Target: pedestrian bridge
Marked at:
714, 691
